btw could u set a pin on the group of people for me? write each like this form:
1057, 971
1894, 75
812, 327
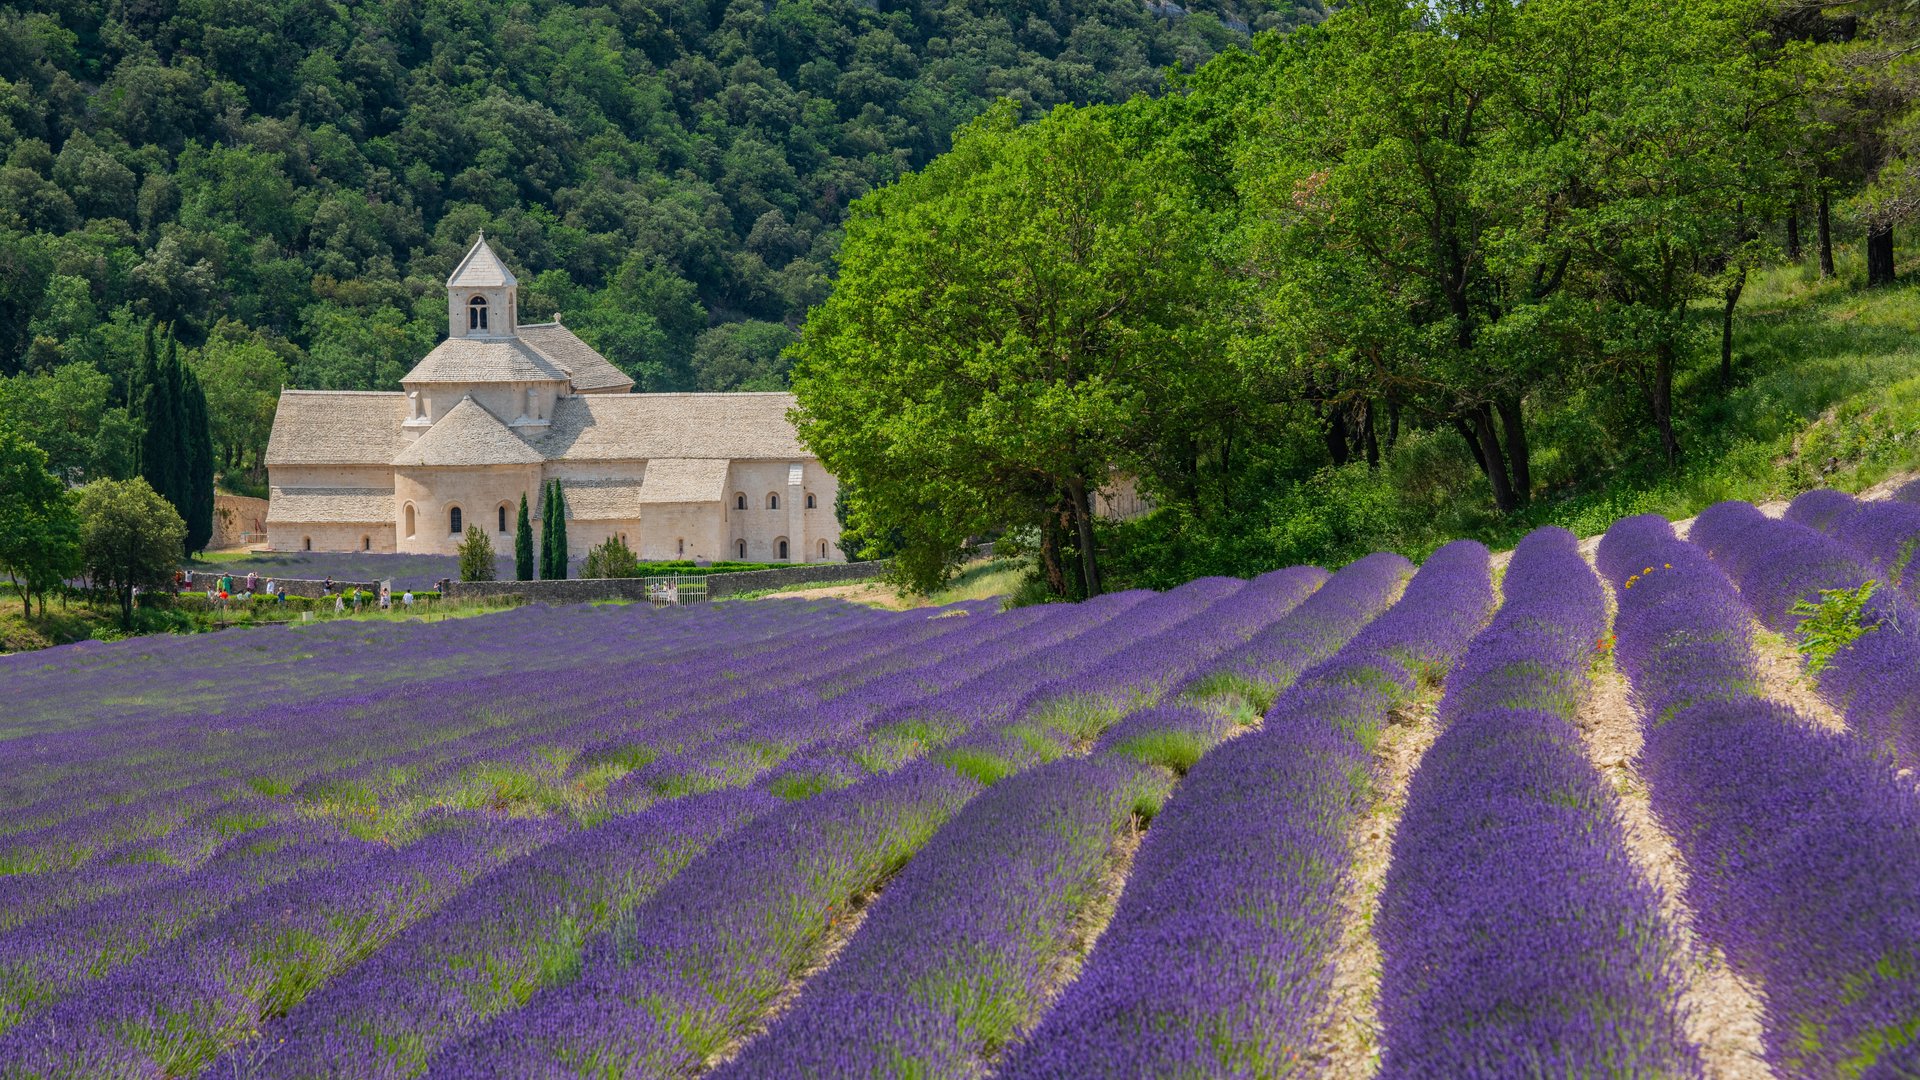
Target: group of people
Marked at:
220, 589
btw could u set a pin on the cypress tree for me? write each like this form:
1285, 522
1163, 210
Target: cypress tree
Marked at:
160, 443
523, 544
199, 439
546, 532
559, 532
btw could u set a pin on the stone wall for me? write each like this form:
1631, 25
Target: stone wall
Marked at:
234, 518
580, 591
746, 581
207, 579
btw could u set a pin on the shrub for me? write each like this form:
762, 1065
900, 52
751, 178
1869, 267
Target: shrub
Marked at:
476, 556
611, 559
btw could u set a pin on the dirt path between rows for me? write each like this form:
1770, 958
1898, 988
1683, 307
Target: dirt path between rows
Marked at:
1350, 1039
1721, 1012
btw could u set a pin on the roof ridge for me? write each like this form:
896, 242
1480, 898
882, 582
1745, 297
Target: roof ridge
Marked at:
364, 393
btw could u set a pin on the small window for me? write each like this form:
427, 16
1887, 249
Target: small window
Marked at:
306, 543
812, 503
773, 501
477, 313
743, 549
503, 517
740, 501
409, 521
366, 543
454, 517
683, 545
783, 549
823, 549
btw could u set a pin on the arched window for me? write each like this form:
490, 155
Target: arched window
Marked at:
503, 517
773, 501
812, 503
306, 543
743, 549
823, 549
454, 516
740, 500
366, 543
783, 549
409, 521
683, 545
477, 313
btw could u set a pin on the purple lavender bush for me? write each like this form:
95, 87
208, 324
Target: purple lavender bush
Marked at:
1513, 925
970, 932
1803, 846
1874, 680
1218, 958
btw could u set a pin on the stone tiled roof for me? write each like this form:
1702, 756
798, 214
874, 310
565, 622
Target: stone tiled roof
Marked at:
336, 427
591, 372
484, 359
685, 480
468, 435
603, 500
481, 269
616, 427
357, 506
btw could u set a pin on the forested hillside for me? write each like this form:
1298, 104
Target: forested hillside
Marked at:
288, 182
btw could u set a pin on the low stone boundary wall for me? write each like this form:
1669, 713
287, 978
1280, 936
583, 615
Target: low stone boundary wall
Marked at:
745, 581
584, 590
205, 579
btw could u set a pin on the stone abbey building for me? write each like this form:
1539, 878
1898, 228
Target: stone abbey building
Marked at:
499, 408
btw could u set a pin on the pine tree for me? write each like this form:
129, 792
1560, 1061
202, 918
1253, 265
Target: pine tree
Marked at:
523, 544
559, 532
199, 438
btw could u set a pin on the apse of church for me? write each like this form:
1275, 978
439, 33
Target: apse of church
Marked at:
499, 408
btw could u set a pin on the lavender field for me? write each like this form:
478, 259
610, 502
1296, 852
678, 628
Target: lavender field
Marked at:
1187, 834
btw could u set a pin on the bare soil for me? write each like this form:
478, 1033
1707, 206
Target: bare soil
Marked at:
1722, 1013
1350, 1042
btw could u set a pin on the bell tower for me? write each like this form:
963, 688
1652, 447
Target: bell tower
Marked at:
483, 297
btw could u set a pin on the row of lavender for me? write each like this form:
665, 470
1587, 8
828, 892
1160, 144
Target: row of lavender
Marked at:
1517, 933
212, 980
1802, 845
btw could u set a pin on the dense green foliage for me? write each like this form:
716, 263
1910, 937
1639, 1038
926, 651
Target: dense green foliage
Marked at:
288, 184
39, 532
1427, 257
176, 452
130, 538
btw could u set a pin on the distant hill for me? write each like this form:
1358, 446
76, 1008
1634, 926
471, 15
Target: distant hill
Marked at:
671, 174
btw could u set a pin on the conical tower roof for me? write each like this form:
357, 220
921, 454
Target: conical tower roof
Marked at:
481, 269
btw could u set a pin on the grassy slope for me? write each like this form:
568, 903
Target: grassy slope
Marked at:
1826, 394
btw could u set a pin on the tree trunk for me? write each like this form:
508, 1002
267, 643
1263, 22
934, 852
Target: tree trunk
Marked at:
1793, 235
1519, 457
1663, 402
1726, 329
1083, 525
1051, 565
126, 607
1496, 464
1393, 424
1823, 229
1337, 446
1370, 437
1879, 255
1473, 445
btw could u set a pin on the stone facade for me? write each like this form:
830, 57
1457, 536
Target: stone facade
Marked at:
498, 409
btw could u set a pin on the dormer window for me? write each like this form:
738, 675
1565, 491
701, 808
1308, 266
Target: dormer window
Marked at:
477, 313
